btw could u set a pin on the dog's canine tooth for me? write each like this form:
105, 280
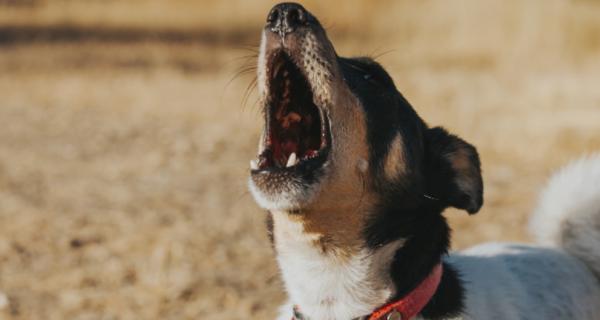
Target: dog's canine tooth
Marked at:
253, 164
292, 160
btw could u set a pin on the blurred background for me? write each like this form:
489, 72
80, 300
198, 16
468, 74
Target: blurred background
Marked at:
126, 129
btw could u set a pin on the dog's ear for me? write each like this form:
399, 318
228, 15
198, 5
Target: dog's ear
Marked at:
452, 170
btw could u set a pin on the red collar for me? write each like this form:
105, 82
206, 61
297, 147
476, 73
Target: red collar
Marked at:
411, 304
407, 307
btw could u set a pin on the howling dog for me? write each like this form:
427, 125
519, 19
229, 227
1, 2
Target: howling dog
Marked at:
355, 184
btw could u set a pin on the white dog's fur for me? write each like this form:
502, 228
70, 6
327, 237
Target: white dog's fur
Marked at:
558, 280
344, 284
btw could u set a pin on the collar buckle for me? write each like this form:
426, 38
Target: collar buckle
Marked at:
394, 315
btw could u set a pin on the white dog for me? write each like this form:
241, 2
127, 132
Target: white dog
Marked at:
356, 182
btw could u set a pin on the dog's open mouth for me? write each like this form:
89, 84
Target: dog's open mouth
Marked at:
297, 133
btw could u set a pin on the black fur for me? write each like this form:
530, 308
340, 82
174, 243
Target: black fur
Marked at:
448, 300
404, 211
441, 150
387, 111
269, 223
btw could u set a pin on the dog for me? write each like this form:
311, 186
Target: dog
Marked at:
355, 184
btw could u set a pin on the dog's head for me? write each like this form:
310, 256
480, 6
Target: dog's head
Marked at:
340, 143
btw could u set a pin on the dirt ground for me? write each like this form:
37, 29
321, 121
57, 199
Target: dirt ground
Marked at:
125, 137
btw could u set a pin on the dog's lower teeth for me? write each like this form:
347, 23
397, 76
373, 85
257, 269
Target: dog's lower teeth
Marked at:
311, 154
291, 160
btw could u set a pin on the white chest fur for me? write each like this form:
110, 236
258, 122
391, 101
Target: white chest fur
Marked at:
326, 285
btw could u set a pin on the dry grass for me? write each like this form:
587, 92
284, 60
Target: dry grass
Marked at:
123, 161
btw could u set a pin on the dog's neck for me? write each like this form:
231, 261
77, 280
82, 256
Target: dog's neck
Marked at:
336, 282
427, 237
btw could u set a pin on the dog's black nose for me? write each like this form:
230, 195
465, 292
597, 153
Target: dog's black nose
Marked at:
286, 17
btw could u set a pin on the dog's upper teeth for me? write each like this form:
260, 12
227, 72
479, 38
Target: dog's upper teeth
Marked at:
253, 164
291, 160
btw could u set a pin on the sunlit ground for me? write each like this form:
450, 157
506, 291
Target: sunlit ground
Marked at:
125, 136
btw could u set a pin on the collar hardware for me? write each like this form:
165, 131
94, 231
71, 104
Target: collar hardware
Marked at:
394, 315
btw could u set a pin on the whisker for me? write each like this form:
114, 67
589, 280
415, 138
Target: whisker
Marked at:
248, 92
241, 72
245, 57
377, 56
251, 48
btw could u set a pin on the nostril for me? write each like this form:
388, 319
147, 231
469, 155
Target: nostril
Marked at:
273, 15
295, 17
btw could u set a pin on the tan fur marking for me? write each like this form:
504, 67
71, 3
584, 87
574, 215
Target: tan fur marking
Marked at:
460, 160
395, 163
466, 172
339, 214
337, 217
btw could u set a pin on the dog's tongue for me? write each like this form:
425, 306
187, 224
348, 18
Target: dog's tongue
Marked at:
292, 124
289, 146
